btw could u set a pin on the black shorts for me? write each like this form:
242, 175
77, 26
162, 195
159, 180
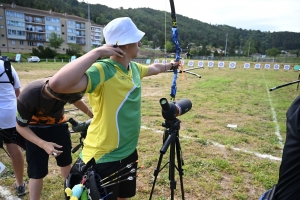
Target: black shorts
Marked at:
124, 189
10, 131
37, 158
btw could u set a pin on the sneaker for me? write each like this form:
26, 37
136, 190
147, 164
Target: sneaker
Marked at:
21, 190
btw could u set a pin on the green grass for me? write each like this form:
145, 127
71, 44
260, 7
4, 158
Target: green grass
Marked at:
219, 162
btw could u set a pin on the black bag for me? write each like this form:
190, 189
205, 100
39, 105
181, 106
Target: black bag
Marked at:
78, 172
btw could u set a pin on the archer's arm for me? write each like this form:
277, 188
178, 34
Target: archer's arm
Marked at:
157, 68
71, 78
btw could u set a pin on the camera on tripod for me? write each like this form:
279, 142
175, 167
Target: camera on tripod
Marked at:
172, 110
82, 128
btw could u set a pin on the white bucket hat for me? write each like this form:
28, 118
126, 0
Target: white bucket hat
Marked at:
122, 31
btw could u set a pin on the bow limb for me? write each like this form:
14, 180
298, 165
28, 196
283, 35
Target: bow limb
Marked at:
177, 48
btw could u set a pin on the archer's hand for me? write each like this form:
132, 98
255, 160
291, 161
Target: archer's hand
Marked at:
110, 50
176, 64
49, 147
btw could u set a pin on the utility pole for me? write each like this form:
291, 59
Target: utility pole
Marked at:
248, 49
226, 43
240, 47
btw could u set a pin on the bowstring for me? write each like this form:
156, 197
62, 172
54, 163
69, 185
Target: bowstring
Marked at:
165, 47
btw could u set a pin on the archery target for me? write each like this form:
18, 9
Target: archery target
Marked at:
232, 65
200, 64
247, 65
257, 66
210, 64
191, 63
221, 64
286, 67
276, 67
267, 66
156, 61
164, 61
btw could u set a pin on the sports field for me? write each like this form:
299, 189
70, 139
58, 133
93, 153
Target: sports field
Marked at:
219, 162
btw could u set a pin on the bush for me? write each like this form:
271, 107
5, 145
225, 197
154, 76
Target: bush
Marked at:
42, 52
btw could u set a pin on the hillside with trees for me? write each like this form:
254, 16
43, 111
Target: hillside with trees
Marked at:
158, 23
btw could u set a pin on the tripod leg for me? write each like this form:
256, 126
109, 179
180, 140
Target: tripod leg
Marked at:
156, 171
169, 141
180, 164
172, 169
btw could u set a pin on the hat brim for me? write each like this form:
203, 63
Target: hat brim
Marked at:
133, 38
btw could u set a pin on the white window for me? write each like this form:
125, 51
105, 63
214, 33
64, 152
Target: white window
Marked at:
13, 42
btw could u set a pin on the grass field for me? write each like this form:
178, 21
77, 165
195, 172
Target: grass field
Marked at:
219, 162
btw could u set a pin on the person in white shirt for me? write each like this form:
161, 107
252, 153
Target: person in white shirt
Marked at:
8, 107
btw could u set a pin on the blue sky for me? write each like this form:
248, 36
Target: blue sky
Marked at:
263, 15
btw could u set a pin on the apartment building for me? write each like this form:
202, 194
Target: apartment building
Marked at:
22, 29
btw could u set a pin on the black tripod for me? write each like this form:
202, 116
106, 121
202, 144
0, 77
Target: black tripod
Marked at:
171, 138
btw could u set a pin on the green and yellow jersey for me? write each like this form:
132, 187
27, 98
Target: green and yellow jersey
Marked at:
115, 96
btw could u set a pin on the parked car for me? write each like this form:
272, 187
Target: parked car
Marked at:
33, 59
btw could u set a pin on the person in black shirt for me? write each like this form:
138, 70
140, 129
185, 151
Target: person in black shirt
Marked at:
41, 120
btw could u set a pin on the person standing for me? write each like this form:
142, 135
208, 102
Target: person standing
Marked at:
113, 86
8, 106
41, 120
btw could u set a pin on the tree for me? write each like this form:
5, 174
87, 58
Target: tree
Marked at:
272, 52
74, 49
44, 52
155, 41
169, 46
216, 53
55, 41
249, 47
